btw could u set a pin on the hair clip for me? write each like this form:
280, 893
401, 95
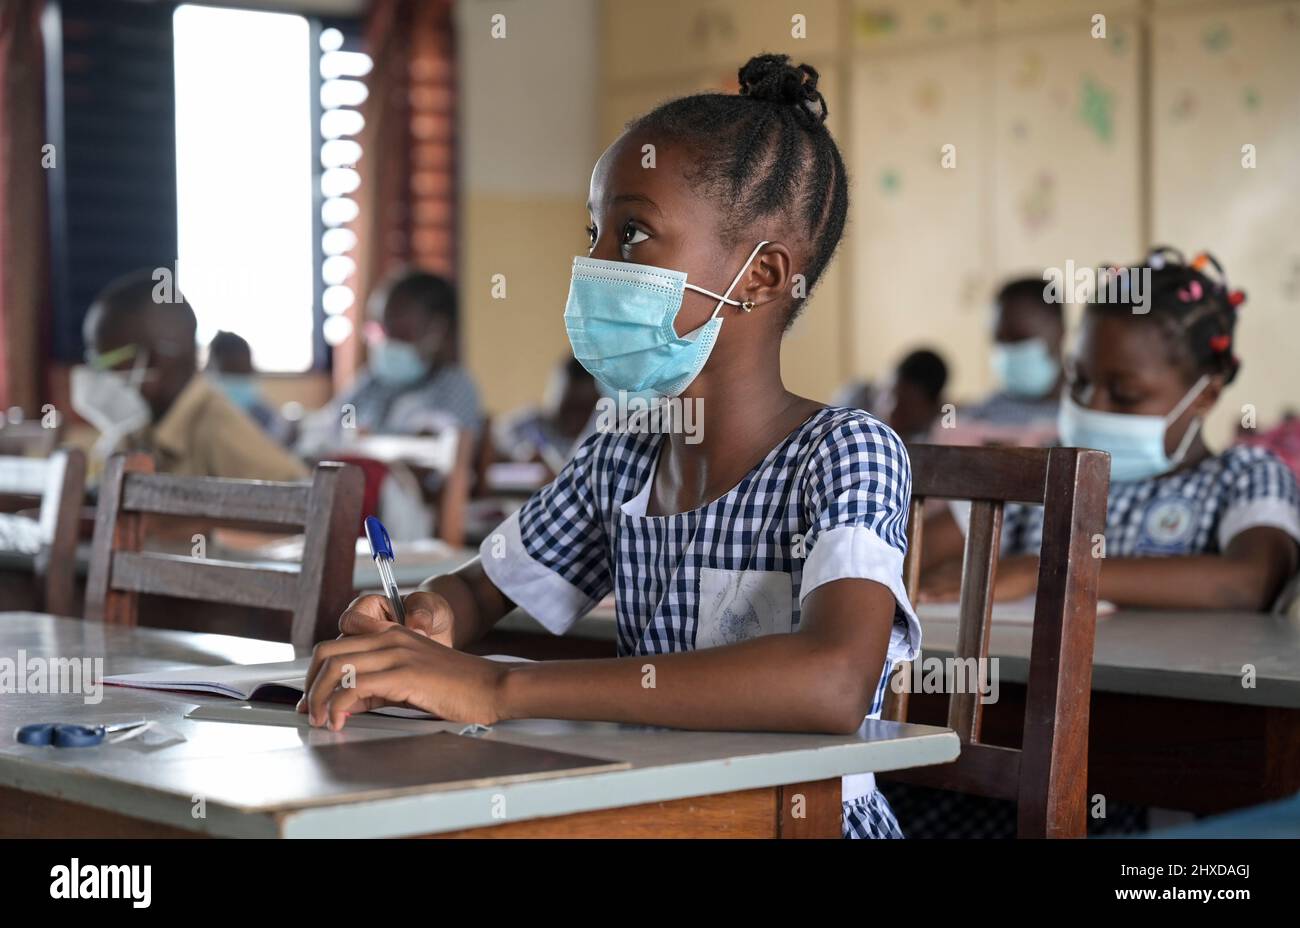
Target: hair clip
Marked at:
1192, 293
1236, 298
1220, 343
1156, 261
1199, 262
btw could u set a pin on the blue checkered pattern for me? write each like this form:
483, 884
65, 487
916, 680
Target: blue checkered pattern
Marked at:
1185, 512
840, 468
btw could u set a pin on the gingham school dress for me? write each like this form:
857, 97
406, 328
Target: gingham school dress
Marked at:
829, 502
1193, 511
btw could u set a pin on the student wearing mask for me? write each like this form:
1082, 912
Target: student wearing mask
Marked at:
551, 433
1187, 527
914, 400
412, 383
230, 366
758, 562
1027, 337
142, 390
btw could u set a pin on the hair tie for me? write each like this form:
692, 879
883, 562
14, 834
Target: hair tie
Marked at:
1236, 298
1220, 343
1192, 293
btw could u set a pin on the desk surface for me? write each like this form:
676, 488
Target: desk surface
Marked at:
157, 782
1183, 655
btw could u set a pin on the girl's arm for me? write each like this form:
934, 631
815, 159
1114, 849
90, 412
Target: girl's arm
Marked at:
819, 678
1247, 576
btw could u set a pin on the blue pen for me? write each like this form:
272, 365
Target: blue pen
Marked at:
381, 549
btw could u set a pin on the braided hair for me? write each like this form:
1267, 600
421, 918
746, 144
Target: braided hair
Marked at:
765, 152
1196, 310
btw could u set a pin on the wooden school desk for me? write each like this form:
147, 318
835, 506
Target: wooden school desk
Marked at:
1171, 723
279, 780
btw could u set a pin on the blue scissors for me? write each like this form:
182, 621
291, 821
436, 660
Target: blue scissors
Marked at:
64, 735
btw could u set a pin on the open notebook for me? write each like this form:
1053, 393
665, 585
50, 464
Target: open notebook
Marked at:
281, 682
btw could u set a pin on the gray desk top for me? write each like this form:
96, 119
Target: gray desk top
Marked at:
1186, 655
156, 778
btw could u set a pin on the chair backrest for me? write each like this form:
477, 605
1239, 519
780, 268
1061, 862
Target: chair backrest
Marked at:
30, 438
59, 483
1047, 775
450, 453
316, 592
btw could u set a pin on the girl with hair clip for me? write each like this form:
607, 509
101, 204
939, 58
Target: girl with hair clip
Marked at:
1186, 527
756, 564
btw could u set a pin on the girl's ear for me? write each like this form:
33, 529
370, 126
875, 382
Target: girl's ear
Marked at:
770, 275
1209, 395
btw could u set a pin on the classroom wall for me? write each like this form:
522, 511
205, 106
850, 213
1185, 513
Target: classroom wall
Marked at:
528, 131
1067, 148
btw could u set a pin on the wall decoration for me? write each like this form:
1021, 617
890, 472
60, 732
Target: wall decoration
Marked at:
929, 97
1096, 105
875, 24
1217, 38
1037, 205
1184, 107
1029, 72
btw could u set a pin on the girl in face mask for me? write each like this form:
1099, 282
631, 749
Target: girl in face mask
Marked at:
1186, 527
755, 559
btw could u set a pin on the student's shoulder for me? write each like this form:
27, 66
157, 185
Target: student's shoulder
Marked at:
1258, 469
837, 432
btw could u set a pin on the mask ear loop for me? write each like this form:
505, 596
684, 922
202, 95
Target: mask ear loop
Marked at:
746, 305
1193, 427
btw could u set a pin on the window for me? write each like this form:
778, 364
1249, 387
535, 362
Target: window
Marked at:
245, 177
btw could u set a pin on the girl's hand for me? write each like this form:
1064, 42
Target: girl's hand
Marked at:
1017, 577
427, 614
396, 667
940, 583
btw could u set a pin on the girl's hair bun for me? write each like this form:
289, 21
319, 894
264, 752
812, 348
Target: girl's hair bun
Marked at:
773, 79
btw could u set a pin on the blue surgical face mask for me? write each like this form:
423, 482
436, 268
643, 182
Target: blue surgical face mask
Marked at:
396, 363
1136, 444
240, 389
619, 317
1025, 368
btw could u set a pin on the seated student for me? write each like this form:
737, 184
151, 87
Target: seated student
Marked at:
913, 401
412, 383
856, 394
1027, 338
143, 391
230, 366
550, 433
757, 565
1186, 528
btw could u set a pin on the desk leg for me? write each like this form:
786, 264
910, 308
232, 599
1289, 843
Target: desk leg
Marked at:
809, 810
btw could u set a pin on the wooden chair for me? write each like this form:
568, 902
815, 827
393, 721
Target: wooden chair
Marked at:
327, 510
1048, 775
58, 483
30, 438
450, 454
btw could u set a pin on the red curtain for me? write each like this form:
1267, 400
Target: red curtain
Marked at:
407, 197
23, 229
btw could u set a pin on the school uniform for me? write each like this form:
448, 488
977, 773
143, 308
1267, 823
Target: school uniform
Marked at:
828, 502
1197, 510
